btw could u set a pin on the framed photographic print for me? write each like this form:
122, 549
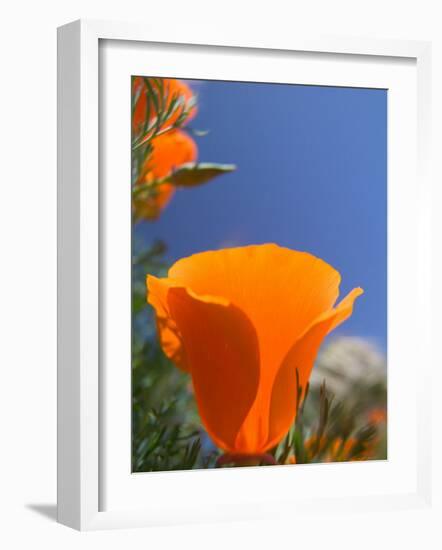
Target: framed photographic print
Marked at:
239, 226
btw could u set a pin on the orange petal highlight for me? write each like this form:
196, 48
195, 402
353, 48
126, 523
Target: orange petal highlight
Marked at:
170, 150
281, 290
222, 349
301, 357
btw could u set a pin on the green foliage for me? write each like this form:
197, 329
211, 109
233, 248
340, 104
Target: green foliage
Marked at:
192, 174
164, 107
187, 175
159, 104
326, 430
162, 443
166, 429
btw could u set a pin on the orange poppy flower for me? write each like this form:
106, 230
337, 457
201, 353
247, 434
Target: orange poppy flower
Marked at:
242, 321
170, 150
172, 88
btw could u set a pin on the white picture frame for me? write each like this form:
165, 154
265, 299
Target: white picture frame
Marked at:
81, 426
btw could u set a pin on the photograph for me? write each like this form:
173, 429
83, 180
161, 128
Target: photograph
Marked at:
233, 244
259, 274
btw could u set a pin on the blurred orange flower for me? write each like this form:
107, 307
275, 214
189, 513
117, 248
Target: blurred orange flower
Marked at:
170, 150
242, 321
377, 416
146, 110
350, 450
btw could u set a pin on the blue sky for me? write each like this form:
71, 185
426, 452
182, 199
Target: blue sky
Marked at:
312, 175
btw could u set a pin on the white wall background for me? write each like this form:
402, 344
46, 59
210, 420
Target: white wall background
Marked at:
28, 274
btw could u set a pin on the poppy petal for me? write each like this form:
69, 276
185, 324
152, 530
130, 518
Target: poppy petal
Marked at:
172, 90
222, 348
170, 150
301, 357
168, 333
178, 89
282, 291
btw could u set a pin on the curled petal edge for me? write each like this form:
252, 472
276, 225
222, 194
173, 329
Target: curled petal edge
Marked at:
301, 357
